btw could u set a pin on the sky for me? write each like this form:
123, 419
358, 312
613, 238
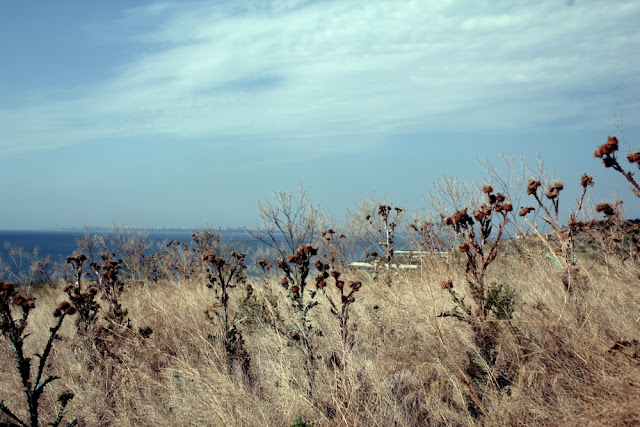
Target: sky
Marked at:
189, 113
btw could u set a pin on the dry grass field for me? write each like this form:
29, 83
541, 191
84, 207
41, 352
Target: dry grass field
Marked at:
562, 360
503, 332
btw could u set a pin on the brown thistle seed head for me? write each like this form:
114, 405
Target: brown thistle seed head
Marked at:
551, 195
598, 153
70, 310
487, 189
446, 284
335, 274
526, 210
586, 180
319, 278
295, 289
533, 186
500, 198
609, 162
464, 248
606, 208
507, 207
284, 281
339, 284
460, 218
612, 140
558, 186
318, 265
355, 284
634, 157
321, 284
478, 215
57, 312
63, 305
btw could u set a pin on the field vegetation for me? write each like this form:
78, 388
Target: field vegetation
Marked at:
484, 329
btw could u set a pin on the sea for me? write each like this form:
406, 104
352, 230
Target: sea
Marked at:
57, 245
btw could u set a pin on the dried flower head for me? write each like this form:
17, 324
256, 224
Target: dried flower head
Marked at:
526, 211
464, 248
608, 148
586, 181
487, 189
634, 157
533, 186
459, 219
606, 208
609, 162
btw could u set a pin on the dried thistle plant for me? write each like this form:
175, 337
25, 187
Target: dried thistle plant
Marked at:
607, 152
109, 282
332, 248
383, 225
478, 245
223, 275
13, 328
296, 269
493, 303
345, 296
561, 241
82, 297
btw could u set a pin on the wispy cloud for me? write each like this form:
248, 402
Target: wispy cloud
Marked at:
322, 71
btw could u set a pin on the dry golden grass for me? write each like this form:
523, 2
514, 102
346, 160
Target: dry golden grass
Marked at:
407, 367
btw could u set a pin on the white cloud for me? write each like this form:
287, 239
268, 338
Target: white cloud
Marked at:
322, 71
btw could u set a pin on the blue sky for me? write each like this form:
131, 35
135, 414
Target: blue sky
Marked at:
189, 113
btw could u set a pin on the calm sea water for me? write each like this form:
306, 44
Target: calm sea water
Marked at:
58, 245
